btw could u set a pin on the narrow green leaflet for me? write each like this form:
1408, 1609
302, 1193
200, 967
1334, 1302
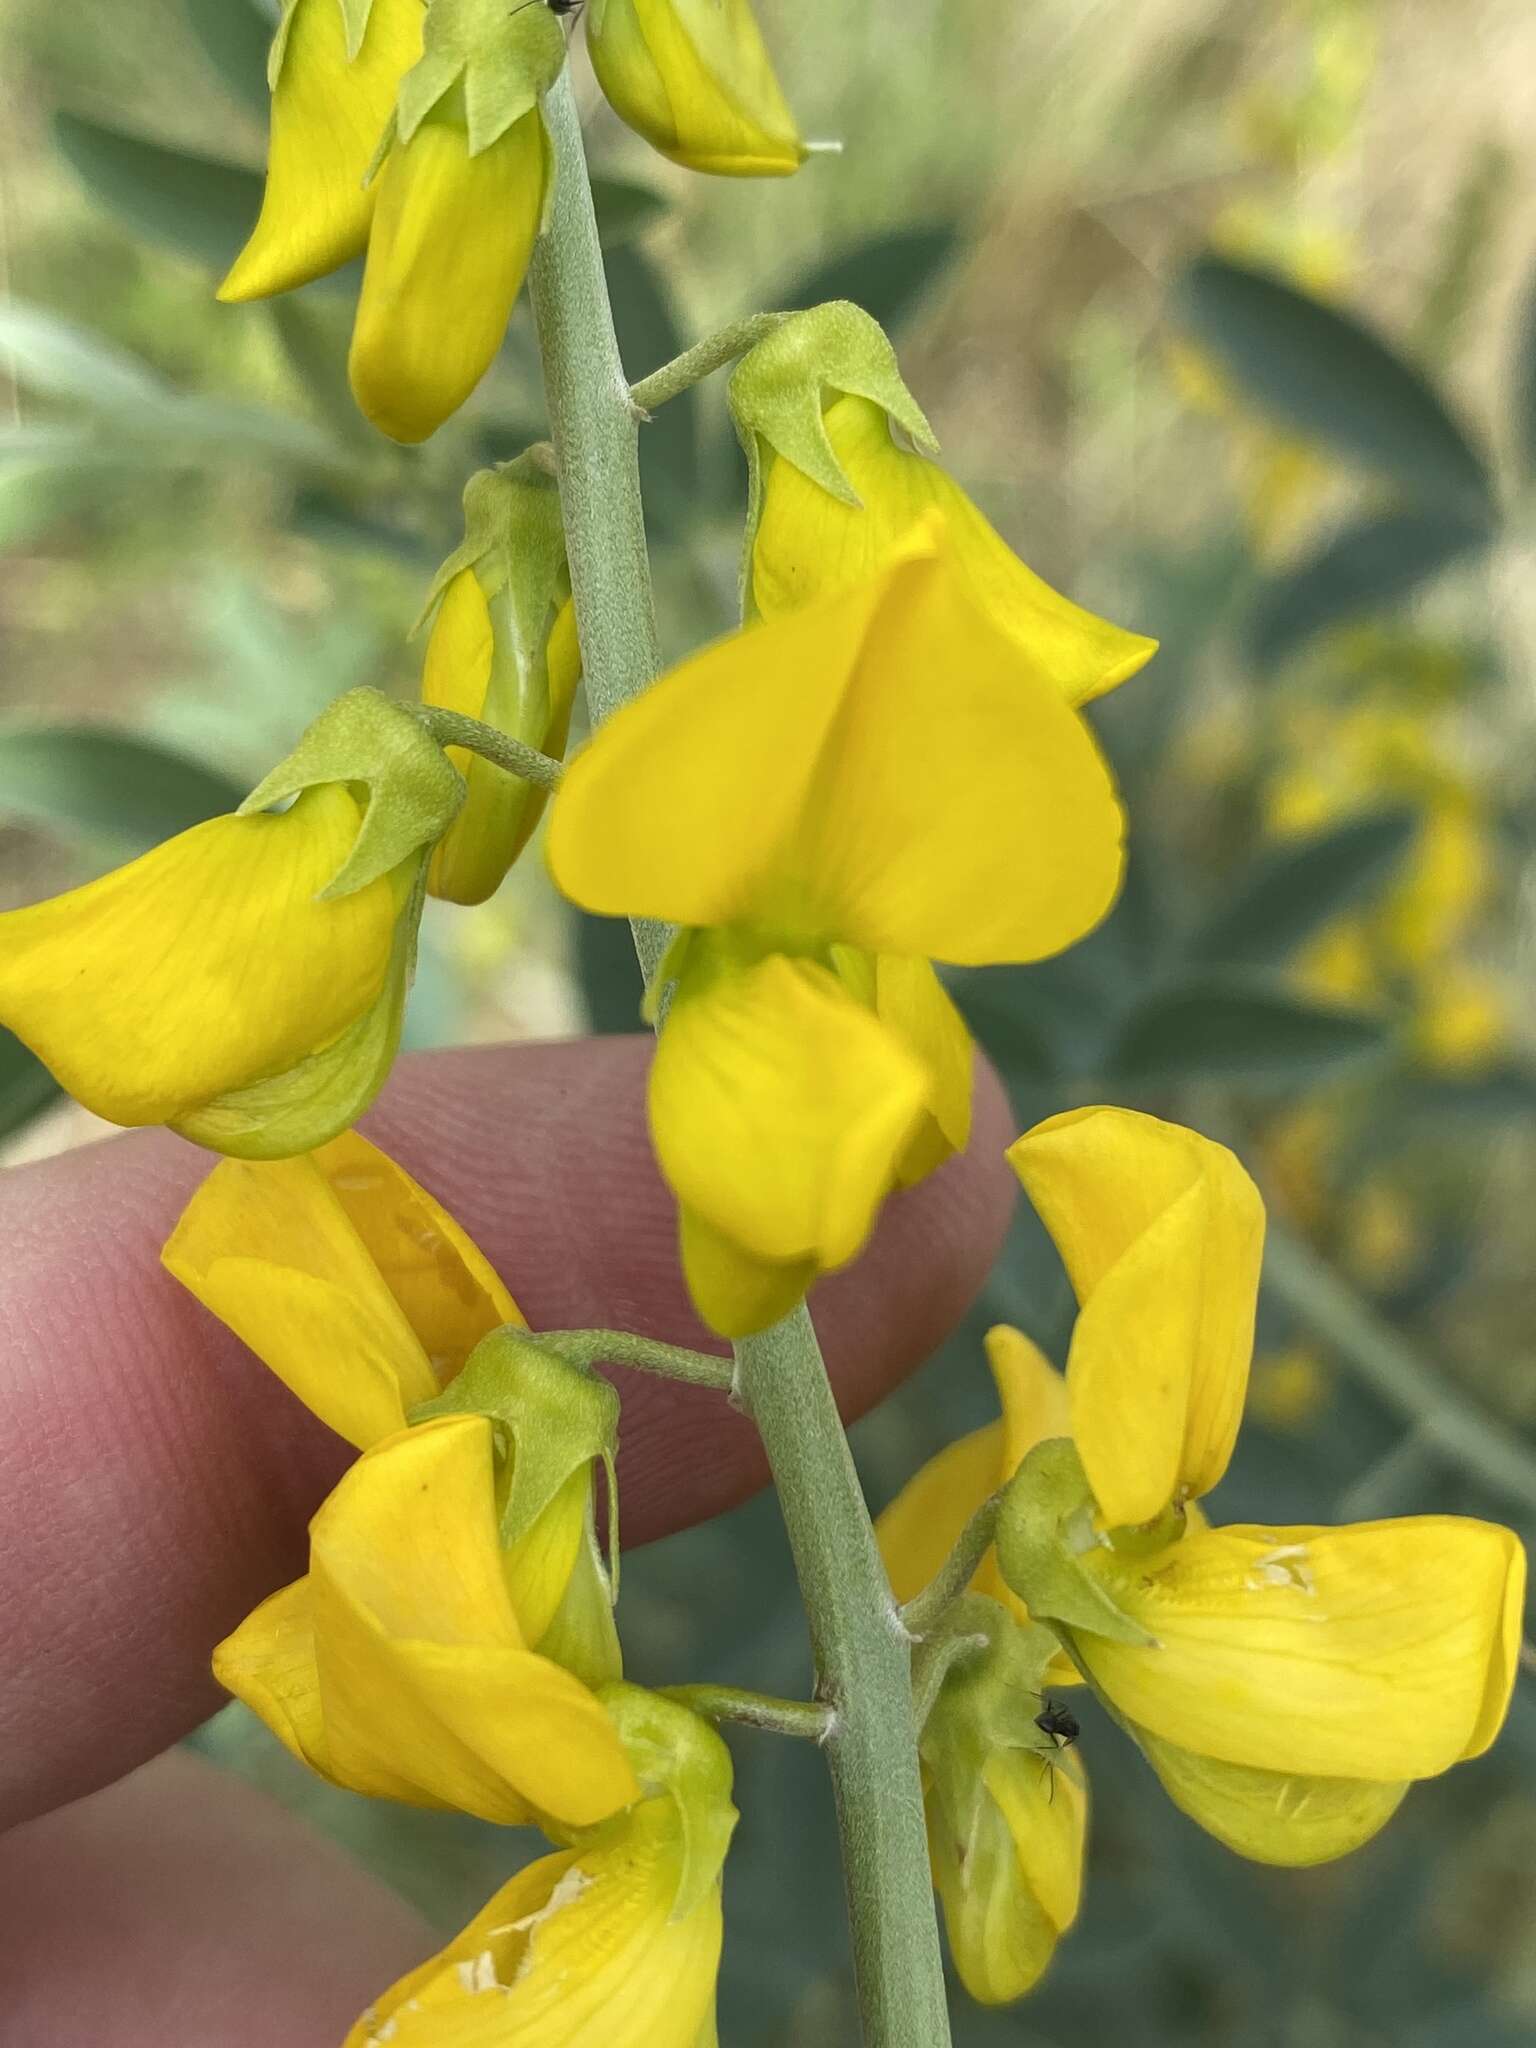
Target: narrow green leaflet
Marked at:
1326, 377
1366, 567
1299, 888
110, 787
198, 206
1246, 1030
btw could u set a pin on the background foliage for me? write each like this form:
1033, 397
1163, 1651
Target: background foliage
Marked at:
1222, 313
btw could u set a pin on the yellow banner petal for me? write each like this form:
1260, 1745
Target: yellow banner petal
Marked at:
328, 114
1382, 1650
883, 768
809, 544
438, 289
205, 965
779, 1110
1162, 1233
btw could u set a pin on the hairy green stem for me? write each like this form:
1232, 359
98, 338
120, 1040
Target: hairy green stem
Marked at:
594, 425
861, 1649
1445, 1419
955, 1574
807, 1719
453, 729
863, 1672
703, 359
645, 1354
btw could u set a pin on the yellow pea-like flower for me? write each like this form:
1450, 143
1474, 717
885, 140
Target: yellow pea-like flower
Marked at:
399, 1665
331, 99
477, 664
344, 1276
208, 985
1162, 1235
867, 774
452, 235
615, 1940
808, 543
693, 77
1286, 1684
366, 1298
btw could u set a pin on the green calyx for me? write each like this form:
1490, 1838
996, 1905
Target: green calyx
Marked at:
555, 1417
1045, 1530
781, 388
514, 540
990, 1694
504, 58
678, 1756
410, 791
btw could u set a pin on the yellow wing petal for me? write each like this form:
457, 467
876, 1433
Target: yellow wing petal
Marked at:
1383, 1650
1162, 1233
1268, 1816
779, 1110
205, 965
809, 543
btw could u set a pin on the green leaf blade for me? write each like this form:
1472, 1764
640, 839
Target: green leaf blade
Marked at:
1323, 375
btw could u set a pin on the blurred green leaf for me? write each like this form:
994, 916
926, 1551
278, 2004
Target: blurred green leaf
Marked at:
1240, 1029
1523, 382
53, 358
888, 275
197, 205
649, 335
1296, 890
1367, 566
236, 36
607, 972
1322, 374
625, 208
109, 786
26, 1086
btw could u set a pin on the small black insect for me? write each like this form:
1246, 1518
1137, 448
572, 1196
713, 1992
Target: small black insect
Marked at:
559, 7
1059, 1725
1058, 1722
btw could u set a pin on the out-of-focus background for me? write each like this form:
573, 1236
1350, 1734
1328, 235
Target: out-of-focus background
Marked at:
1223, 313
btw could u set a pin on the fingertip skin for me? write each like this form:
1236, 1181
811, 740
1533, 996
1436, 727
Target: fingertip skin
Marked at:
156, 1481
